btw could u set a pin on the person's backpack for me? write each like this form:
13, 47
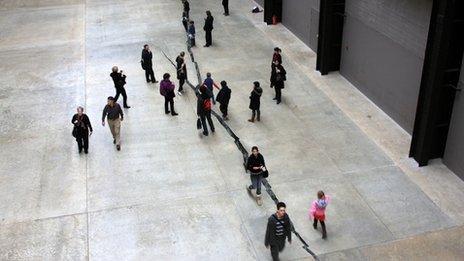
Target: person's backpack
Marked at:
207, 104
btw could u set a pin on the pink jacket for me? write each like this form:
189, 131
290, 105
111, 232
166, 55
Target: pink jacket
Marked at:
318, 209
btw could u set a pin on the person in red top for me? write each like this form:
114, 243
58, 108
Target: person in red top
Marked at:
276, 57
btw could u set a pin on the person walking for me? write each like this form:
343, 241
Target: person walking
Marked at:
167, 91
223, 97
181, 71
225, 4
191, 33
208, 27
210, 84
279, 228
317, 211
119, 80
82, 129
114, 115
256, 166
204, 109
255, 102
278, 77
277, 57
147, 64
186, 5
185, 21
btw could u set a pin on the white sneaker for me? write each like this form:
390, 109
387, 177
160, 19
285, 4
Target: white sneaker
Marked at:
180, 94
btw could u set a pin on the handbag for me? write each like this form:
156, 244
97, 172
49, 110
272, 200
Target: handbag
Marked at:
143, 64
74, 132
265, 173
198, 124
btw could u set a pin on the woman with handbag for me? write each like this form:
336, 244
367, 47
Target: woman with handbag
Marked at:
278, 77
257, 167
82, 129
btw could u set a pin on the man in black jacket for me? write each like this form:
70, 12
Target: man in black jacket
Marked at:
208, 27
119, 80
225, 3
223, 97
147, 64
186, 7
279, 227
204, 109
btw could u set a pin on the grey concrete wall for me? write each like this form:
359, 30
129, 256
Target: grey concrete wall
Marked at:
260, 2
383, 51
302, 18
454, 157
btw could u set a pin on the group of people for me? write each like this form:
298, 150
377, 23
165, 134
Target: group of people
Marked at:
189, 24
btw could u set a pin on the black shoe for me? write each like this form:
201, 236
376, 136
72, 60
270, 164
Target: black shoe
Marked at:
167, 112
314, 226
114, 141
275, 99
86, 151
175, 114
148, 81
118, 147
80, 151
205, 133
127, 106
155, 81
278, 102
213, 130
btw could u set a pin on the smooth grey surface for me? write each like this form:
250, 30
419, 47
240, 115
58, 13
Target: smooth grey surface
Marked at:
454, 158
382, 53
299, 17
171, 193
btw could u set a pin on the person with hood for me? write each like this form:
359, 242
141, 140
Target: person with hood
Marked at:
223, 98
181, 71
204, 109
278, 77
208, 27
255, 102
279, 228
167, 91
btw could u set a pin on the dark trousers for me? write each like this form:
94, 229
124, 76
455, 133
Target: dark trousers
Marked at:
203, 118
226, 9
192, 41
83, 142
185, 25
279, 247
278, 93
121, 91
209, 38
324, 231
223, 109
150, 74
181, 83
256, 113
169, 101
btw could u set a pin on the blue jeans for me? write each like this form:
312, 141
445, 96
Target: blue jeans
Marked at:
256, 182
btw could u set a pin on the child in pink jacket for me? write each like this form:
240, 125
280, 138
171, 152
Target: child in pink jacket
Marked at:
317, 211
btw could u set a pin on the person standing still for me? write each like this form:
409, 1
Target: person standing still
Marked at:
255, 102
276, 57
181, 71
210, 84
278, 78
115, 116
167, 91
225, 3
256, 165
191, 33
204, 109
208, 27
119, 80
185, 21
279, 228
82, 129
186, 7
223, 98
147, 64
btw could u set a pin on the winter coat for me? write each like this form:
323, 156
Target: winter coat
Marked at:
181, 68
146, 58
318, 207
167, 89
82, 125
271, 239
223, 95
278, 78
208, 23
257, 161
255, 98
119, 79
201, 97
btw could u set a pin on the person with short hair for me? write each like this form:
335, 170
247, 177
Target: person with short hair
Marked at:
210, 84
276, 57
114, 115
191, 33
119, 80
256, 166
208, 27
255, 102
147, 64
185, 21
223, 98
204, 109
167, 91
279, 228
181, 71
82, 129
278, 78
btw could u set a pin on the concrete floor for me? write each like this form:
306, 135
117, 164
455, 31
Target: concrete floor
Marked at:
171, 194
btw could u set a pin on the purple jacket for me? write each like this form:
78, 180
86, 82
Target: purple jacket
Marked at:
167, 89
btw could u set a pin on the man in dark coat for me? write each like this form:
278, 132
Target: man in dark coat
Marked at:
181, 71
255, 102
186, 7
225, 3
119, 80
204, 109
147, 64
223, 98
208, 27
278, 77
279, 227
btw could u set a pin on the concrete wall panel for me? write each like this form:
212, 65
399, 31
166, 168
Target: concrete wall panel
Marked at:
302, 18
